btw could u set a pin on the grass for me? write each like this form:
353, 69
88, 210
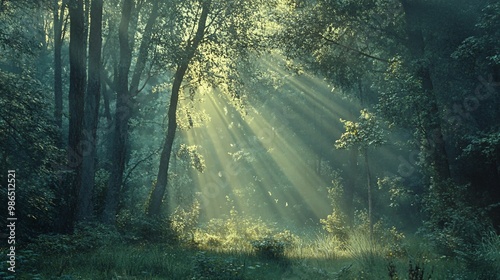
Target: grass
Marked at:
316, 256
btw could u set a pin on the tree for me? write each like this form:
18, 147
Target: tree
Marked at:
27, 131
161, 183
92, 98
362, 135
77, 82
59, 28
212, 36
122, 115
433, 141
127, 87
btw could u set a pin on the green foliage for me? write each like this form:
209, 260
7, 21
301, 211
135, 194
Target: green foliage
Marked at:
484, 262
398, 193
28, 139
269, 248
87, 237
364, 251
485, 145
388, 239
140, 228
482, 47
119, 262
232, 234
367, 132
454, 226
274, 247
400, 95
191, 155
184, 221
207, 267
336, 225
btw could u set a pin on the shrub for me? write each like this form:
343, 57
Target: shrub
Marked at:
484, 262
335, 224
269, 248
211, 267
454, 226
87, 236
232, 234
184, 221
139, 228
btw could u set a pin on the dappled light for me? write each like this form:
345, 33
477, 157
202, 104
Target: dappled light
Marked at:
250, 139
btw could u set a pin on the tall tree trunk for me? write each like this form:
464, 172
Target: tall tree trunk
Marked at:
58, 14
76, 110
122, 116
348, 190
124, 109
369, 188
433, 141
160, 188
144, 49
84, 205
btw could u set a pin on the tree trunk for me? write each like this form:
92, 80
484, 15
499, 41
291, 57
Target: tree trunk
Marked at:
76, 105
122, 116
126, 106
85, 206
58, 14
433, 141
348, 191
160, 188
369, 188
144, 49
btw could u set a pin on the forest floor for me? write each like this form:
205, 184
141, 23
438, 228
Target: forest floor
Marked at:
318, 257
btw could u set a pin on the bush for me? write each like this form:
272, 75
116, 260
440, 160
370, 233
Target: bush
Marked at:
269, 248
139, 228
454, 226
208, 267
233, 234
485, 261
184, 221
87, 236
335, 224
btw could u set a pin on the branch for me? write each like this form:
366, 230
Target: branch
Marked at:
137, 164
353, 50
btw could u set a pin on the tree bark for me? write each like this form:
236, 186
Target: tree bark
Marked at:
58, 14
433, 141
84, 205
160, 188
122, 116
76, 105
144, 49
348, 194
125, 106
369, 188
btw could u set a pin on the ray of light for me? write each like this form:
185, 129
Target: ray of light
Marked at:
264, 164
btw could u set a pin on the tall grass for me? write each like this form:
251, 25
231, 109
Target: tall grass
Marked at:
366, 252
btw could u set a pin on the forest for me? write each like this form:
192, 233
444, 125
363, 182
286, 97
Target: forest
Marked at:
250, 139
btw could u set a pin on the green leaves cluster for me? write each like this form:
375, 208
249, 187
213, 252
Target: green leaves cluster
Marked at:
367, 132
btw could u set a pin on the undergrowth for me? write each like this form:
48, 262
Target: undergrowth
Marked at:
239, 247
